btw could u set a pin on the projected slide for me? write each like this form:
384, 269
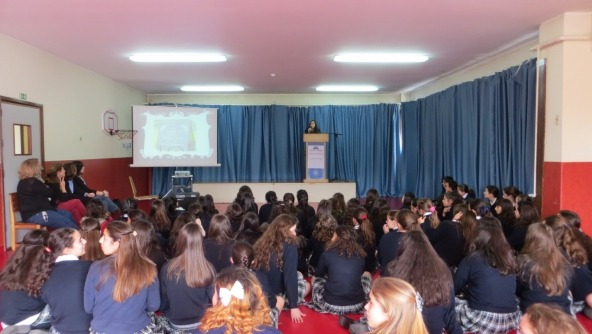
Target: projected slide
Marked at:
170, 136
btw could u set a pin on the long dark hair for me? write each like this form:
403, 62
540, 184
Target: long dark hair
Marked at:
190, 260
29, 267
418, 263
489, 242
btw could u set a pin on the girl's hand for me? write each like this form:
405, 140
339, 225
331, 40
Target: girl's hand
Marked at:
385, 228
297, 315
105, 193
421, 220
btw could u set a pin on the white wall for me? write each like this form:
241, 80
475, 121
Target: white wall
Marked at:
73, 100
512, 57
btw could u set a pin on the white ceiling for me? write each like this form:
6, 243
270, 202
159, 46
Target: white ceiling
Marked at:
295, 40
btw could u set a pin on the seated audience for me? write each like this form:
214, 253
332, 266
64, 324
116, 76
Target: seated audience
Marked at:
218, 245
34, 198
60, 198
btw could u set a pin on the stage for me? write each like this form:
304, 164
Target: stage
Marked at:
226, 192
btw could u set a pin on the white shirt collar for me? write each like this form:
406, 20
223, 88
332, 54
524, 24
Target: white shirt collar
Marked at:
67, 257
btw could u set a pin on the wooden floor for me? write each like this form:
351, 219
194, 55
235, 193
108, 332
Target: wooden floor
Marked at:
316, 322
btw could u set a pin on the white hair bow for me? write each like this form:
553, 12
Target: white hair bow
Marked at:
236, 291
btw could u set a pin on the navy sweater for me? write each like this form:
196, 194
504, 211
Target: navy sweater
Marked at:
16, 306
344, 285
532, 293
181, 304
64, 293
485, 288
218, 253
389, 247
284, 279
447, 241
437, 318
111, 317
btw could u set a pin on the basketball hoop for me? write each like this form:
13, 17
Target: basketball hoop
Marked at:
123, 134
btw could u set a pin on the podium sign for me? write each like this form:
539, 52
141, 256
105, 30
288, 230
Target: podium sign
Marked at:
316, 157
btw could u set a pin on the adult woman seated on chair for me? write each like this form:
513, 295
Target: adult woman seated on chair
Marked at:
54, 178
103, 196
34, 199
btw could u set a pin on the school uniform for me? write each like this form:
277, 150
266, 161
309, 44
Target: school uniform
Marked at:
17, 306
442, 317
490, 305
388, 248
339, 286
533, 293
64, 293
284, 280
446, 240
581, 286
113, 317
218, 254
180, 304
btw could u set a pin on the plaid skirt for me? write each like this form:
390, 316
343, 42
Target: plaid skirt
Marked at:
577, 307
152, 327
274, 314
474, 321
319, 304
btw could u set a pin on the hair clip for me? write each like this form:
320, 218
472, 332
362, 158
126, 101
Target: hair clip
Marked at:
236, 291
418, 302
364, 217
132, 232
432, 209
47, 249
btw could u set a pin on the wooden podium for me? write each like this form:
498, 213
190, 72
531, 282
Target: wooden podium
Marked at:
316, 157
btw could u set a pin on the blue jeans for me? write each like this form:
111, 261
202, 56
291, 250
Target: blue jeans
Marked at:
108, 203
53, 219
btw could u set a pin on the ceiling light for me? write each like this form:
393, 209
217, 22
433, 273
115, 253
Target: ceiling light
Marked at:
177, 57
212, 88
381, 58
358, 88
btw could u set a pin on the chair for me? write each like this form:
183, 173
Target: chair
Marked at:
17, 225
140, 198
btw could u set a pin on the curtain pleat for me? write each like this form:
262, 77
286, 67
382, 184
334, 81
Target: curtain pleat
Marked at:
480, 132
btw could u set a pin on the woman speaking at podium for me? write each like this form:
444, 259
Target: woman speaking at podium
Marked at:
312, 127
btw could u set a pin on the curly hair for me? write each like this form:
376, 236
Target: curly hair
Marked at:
272, 241
29, 267
346, 243
571, 240
240, 315
324, 228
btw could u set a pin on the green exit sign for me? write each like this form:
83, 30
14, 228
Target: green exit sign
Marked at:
23, 96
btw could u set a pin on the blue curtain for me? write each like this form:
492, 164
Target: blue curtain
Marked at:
480, 132
264, 144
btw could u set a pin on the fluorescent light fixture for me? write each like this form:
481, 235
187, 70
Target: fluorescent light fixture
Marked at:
381, 58
357, 88
212, 88
177, 58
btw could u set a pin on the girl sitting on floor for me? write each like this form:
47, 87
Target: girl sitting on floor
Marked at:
418, 264
276, 254
243, 255
544, 274
120, 289
239, 305
90, 230
64, 290
340, 284
186, 281
21, 280
487, 277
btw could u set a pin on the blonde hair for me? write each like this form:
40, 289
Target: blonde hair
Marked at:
30, 168
398, 299
240, 315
